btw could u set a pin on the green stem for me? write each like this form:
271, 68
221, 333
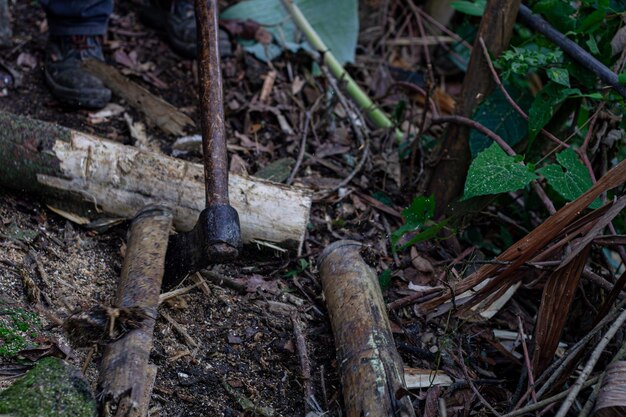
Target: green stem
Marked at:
377, 116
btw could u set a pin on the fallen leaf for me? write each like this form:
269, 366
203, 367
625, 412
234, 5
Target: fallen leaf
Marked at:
238, 165
257, 282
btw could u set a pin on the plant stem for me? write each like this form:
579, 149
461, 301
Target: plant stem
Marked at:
377, 116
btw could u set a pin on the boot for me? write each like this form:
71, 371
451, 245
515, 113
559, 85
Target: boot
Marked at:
68, 81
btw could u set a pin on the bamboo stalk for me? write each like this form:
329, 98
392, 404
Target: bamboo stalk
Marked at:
126, 378
377, 116
371, 370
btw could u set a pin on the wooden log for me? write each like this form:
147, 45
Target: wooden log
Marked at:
100, 177
158, 111
126, 377
371, 370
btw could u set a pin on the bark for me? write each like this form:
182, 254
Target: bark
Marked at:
83, 174
371, 370
126, 377
496, 28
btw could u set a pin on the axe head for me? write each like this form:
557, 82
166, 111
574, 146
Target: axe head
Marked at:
216, 238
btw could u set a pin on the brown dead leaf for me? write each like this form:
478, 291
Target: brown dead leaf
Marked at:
257, 282
238, 165
618, 43
528, 247
421, 264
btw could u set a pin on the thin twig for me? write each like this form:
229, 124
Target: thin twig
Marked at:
547, 401
529, 368
305, 132
555, 370
444, 29
473, 387
465, 121
305, 364
189, 341
508, 97
591, 363
358, 132
175, 293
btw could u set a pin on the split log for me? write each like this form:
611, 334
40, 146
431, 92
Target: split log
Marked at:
371, 369
99, 177
126, 377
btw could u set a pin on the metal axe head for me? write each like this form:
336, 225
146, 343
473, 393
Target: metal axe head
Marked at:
215, 238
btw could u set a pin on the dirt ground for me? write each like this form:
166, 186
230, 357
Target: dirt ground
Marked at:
243, 339
238, 341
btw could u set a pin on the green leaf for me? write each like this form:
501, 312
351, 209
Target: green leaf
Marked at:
475, 8
559, 76
495, 172
384, 279
571, 178
336, 22
421, 209
544, 106
622, 78
593, 46
558, 13
426, 234
497, 114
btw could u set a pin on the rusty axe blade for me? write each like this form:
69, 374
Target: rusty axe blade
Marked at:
216, 238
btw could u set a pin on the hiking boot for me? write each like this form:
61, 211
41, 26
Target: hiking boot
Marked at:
68, 81
180, 24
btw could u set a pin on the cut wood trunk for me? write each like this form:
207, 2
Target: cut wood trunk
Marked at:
496, 28
126, 377
371, 370
73, 170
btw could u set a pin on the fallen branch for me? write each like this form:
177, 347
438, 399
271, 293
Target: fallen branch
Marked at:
98, 178
528, 247
371, 370
591, 363
126, 378
578, 54
159, 112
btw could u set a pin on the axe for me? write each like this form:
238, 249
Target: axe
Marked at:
216, 237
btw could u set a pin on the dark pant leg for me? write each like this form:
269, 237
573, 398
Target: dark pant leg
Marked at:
77, 17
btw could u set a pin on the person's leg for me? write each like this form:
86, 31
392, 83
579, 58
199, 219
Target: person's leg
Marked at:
76, 32
76, 17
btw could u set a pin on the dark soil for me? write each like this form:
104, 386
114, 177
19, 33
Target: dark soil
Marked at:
241, 341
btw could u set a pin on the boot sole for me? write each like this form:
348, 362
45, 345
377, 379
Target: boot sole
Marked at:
87, 98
